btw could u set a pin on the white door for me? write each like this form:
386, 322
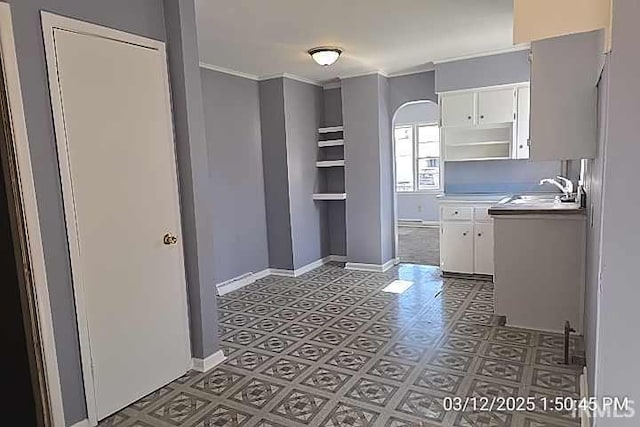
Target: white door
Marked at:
458, 109
116, 151
456, 247
522, 129
483, 251
496, 106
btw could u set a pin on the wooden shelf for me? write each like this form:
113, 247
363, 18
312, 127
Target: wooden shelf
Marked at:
331, 143
331, 129
330, 196
330, 163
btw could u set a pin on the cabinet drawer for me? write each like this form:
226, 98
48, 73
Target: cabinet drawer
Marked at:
481, 213
448, 213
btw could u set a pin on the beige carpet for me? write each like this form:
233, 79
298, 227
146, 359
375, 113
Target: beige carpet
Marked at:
419, 245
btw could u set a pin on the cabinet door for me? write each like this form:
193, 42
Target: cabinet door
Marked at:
483, 248
564, 74
456, 247
522, 126
496, 106
458, 109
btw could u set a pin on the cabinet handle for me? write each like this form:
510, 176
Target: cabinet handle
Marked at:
482, 117
479, 234
455, 213
464, 234
468, 117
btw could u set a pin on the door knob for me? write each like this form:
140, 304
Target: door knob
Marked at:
169, 239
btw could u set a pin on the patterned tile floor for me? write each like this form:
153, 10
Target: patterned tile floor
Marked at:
330, 348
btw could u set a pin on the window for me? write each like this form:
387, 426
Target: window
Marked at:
417, 157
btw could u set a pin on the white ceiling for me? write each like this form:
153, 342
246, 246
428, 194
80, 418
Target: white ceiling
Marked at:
264, 38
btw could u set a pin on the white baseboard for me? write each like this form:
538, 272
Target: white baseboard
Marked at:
249, 278
311, 266
203, 365
282, 272
307, 268
378, 268
82, 423
240, 281
585, 420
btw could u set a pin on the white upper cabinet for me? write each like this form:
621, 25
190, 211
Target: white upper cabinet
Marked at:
521, 147
564, 75
481, 124
496, 106
458, 109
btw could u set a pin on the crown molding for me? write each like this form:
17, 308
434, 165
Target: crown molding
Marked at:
515, 48
228, 71
332, 85
366, 73
417, 70
291, 77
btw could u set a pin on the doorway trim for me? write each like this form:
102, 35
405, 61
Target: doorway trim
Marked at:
32, 217
50, 23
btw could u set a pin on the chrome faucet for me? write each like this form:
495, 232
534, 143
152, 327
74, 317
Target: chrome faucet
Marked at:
565, 185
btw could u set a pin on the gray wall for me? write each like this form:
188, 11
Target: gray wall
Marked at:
276, 178
418, 206
146, 18
412, 87
387, 214
363, 99
303, 113
193, 171
418, 112
594, 174
332, 107
232, 113
504, 68
498, 176
290, 114
619, 317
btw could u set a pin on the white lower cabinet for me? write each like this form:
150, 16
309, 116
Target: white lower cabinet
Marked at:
456, 247
466, 241
483, 248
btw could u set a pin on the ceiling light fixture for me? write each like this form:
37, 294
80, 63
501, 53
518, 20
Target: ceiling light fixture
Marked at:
325, 56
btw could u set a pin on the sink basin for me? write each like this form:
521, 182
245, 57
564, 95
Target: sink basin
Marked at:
536, 199
546, 202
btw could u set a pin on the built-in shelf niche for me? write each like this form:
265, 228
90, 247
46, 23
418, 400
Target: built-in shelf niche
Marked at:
331, 162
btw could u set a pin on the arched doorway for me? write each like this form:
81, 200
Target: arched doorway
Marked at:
417, 181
